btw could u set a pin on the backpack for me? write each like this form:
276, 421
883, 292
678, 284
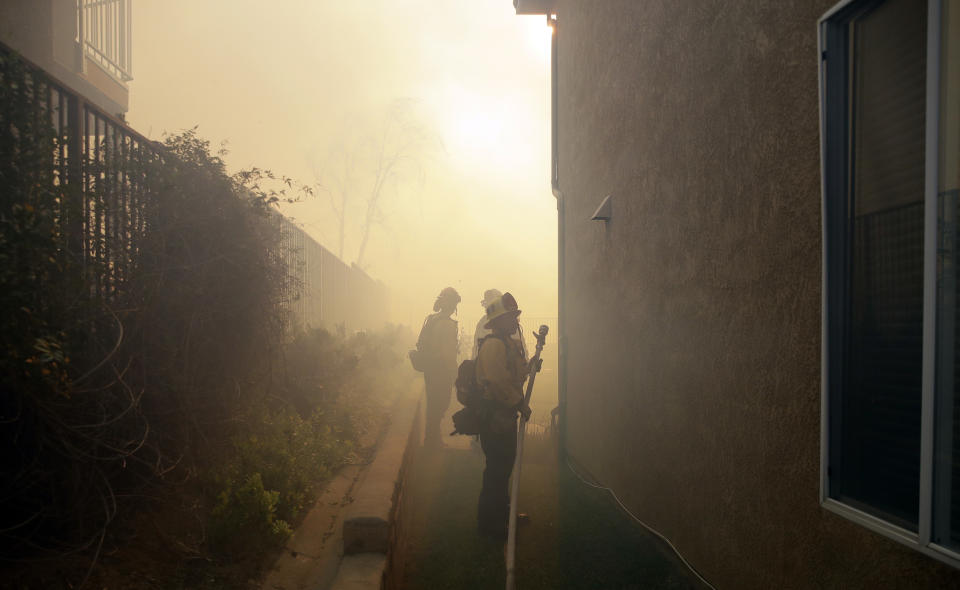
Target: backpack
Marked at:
476, 408
419, 356
469, 391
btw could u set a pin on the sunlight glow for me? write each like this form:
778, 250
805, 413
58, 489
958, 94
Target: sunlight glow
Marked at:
296, 99
537, 35
478, 132
482, 131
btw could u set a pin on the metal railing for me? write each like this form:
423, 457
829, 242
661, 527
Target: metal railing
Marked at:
117, 206
100, 164
109, 205
104, 30
327, 290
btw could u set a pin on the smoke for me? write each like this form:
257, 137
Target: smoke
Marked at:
288, 84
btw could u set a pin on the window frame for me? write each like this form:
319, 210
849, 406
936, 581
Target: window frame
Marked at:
834, 59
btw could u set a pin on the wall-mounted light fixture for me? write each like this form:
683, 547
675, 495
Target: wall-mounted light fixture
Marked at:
604, 211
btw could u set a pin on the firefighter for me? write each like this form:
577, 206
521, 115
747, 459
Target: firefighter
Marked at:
501, 371
489, 296
439, 343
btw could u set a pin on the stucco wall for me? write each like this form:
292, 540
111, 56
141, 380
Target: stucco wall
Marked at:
693, 316
25, 25
44, 32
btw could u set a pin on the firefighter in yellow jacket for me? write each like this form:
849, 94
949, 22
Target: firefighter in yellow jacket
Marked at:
501, 371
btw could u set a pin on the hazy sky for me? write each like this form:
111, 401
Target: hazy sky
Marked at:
284, 82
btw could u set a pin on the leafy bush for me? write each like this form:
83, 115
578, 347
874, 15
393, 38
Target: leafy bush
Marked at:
244, 518
292, 455
346, 376
40, 338
110, 392
334, 389
109, 396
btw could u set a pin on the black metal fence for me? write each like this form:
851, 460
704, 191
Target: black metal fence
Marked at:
109, 202
330, 292
100, 164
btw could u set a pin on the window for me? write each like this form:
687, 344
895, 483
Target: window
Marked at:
890, 133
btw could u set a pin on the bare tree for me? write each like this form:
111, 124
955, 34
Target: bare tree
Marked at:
339, 185
374, 166
398, 156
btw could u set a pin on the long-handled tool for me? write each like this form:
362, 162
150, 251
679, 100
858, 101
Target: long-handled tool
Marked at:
535, 363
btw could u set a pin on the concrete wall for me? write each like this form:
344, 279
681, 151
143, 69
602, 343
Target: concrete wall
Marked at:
44, 32
401, 514
693, 316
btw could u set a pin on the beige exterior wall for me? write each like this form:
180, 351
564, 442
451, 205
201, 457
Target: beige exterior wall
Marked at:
44, 32
693, 316
25, 25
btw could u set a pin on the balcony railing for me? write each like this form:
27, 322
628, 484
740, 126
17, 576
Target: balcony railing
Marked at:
104, 32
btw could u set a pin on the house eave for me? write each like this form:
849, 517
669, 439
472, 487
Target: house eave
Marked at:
534, 6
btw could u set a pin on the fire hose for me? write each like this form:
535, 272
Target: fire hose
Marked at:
535, 364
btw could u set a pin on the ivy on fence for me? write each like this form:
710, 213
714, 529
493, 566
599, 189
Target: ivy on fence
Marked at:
143, 332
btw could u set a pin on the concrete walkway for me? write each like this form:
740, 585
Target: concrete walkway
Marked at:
576, 536
312, 554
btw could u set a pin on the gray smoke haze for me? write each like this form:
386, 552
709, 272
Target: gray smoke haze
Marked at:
295, 85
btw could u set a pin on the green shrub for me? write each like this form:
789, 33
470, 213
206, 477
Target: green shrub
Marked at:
244, 519
292, 455
334, 389
111, 396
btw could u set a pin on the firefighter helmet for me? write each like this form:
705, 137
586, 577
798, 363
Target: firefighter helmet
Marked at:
501, 306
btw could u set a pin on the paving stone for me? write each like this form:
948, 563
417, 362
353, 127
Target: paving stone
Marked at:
363, 571
312, 554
